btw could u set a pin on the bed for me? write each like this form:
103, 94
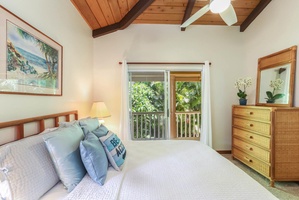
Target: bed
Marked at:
162, 170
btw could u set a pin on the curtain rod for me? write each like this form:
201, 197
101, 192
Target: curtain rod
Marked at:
165, 63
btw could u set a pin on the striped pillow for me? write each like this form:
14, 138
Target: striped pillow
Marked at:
115, 150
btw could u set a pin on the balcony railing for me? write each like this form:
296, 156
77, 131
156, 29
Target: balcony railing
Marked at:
188, 125
148, 125
151, 125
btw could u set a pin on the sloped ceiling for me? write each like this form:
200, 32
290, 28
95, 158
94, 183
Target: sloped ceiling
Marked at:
106, 16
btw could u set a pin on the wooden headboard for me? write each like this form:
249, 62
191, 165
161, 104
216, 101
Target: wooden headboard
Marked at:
17, 127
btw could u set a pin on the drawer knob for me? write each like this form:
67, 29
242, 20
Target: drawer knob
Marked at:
250, 137
247, 159
251, 125
250, 113
249, 148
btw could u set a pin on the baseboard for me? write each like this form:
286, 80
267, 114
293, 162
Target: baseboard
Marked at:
224, 151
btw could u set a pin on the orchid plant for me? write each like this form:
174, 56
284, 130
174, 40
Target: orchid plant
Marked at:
241, 84
276, 85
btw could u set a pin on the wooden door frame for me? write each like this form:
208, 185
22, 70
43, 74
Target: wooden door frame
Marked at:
174, 77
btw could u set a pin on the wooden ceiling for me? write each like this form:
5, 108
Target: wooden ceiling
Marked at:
106, 16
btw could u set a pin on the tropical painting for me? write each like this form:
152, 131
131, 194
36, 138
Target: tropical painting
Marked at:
30, 61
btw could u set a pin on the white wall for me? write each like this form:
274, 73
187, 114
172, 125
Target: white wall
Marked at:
233, 55
223, 46
275, 29
61, 22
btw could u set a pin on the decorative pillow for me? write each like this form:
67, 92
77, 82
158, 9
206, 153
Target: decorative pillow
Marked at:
63, 146
89, 124
100, 131
48, 130
26, 165
5, 191
115, 150
94, 158
67, 124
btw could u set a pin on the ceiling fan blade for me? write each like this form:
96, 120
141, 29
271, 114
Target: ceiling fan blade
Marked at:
195, 16
229, 16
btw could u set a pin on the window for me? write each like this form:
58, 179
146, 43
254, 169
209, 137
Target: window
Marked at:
164, 105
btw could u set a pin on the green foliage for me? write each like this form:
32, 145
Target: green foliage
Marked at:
242, 94
272, 97
188, 96
147, 97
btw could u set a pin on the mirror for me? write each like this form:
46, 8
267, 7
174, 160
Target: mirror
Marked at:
275, 78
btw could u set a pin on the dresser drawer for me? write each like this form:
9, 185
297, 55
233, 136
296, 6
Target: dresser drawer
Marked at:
262, 128
257, 114
252, 162
252, 150
251, 137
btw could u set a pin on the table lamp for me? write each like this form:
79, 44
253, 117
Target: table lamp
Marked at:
100, 111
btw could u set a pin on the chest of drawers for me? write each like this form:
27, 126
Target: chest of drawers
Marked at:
267, 140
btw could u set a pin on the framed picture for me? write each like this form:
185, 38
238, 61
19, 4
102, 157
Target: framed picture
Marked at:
30, 61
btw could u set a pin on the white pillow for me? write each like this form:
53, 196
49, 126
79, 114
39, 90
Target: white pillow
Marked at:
48, 130
5, 191
30, 171
66, 124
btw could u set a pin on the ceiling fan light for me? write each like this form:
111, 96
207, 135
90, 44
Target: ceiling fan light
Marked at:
218, 6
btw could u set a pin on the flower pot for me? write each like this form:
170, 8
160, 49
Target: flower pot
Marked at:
271, 101
243, 101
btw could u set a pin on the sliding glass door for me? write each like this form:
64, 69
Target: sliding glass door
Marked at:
149, 104
164, 104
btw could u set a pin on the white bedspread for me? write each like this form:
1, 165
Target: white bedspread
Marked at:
165, 170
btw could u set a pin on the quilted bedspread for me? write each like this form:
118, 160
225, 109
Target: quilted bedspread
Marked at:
170, 170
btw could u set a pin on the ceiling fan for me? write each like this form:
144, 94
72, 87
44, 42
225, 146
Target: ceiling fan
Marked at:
223, 7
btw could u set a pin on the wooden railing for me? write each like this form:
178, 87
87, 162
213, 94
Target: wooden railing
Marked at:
151, 125
148, 125
188, 125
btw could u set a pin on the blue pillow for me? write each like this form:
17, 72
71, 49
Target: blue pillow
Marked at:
63, 146
100, 131
89, 124
115, 150
94, 158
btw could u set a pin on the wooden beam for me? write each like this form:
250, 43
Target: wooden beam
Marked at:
105, 30
188, 11
139, 7
258, 9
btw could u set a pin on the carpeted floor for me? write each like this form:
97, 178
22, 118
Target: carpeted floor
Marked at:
282, 190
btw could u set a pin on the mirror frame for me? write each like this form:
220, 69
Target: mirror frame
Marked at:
275, 60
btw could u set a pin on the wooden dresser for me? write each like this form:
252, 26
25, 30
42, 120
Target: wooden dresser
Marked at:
267, 140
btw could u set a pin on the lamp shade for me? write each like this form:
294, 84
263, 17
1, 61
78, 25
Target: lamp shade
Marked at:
218, 6
99, 110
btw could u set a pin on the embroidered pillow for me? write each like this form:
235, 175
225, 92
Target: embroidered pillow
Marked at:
24, 166
115, 150
5, 190
94, 158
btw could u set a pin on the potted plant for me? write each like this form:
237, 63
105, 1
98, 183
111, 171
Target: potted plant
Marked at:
241, 84
276, 85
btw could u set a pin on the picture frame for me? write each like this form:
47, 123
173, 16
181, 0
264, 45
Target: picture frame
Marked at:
31, 63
